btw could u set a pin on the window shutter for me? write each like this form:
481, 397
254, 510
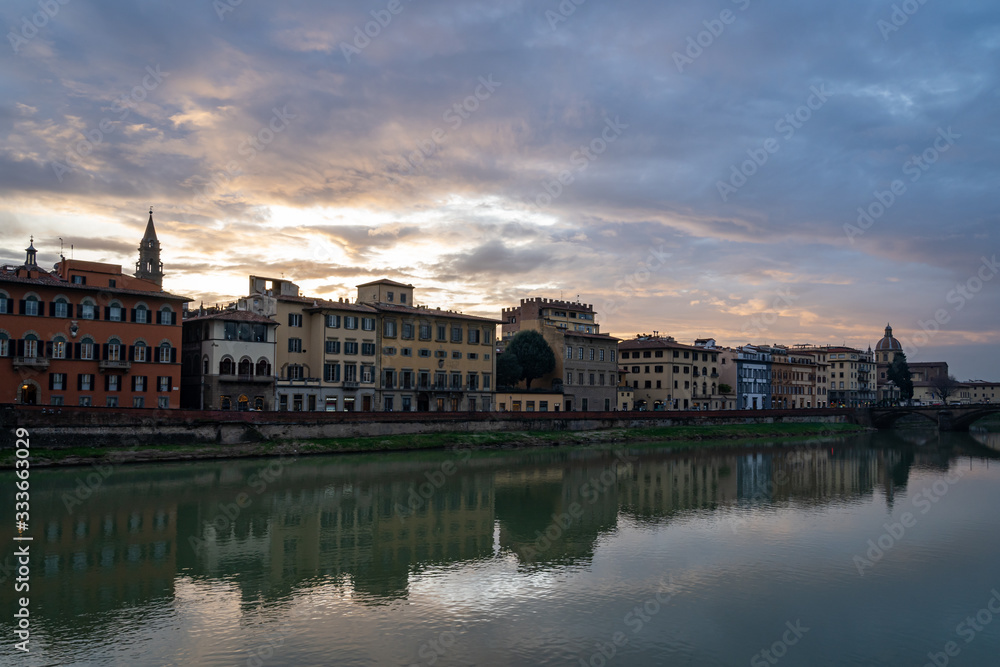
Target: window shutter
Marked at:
52, 380
145, 384
76, 350
131, 352
79, 381
52, 308
104, 351
133, 314
41, 308
173, 355
173, 318
22, 306
159, 317
20, 347
48, 350
79, 310
107, 382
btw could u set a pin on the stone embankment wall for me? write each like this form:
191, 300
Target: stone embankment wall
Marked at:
53, 427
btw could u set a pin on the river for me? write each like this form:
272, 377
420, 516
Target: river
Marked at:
880, 549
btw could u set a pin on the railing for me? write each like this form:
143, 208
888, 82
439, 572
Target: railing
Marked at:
351, 384
34, 362
114, 365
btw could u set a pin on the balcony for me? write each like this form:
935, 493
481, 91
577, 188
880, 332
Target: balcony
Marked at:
351, 384
714, 374
247, 378
114, 365
31, 362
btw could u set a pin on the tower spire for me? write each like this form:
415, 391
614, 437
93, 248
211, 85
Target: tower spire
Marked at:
149, 267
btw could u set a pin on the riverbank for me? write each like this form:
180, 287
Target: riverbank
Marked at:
668, 436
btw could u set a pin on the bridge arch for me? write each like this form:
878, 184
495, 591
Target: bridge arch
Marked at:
946, 417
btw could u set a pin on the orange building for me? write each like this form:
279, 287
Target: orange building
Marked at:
87, 334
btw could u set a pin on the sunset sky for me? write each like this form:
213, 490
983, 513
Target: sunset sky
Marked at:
713, 156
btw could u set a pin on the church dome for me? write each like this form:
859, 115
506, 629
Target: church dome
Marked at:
888, 343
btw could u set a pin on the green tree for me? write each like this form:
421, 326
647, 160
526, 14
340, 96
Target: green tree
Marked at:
899, 374
509, 371
725, 389
533, 354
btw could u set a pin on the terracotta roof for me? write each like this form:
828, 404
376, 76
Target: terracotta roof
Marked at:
232, 316
46, 279
384, 281
582, 334
422, 311
659, 344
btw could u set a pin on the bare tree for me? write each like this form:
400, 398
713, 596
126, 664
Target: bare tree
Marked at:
944, 386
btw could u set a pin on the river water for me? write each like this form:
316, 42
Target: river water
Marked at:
880, 549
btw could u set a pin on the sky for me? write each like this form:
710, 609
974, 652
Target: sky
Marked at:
779, 172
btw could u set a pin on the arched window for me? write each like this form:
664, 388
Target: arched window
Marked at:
140, 352
243, 403
258, 403
32, 305
227, 366
204, 365
116, 313
87, 348
60, 307
114, 350
246, 366
4, 344
263, 367
140, 314
31, 346
226, 403
165, 315
166, 353
58, 347
88, 309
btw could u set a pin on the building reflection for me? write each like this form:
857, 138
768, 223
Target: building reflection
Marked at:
371, 526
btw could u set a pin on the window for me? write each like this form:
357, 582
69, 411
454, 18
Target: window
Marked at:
472, 355
408, 330
138, 402
402, 297
295, 319
112, 382
57, 381
474, 336
389, 327
613, 353
263, 368
350, 322
166, 353
4, 343
407, 351
60, 308
114, 350
368, 349
139, 351
367, 373
590, 354
657, 369
294, 344
295, 372
227, 366
600, 356
138, 383
442, 332
350, 347
440, 354
163, 383
333, 347
331, 372
455, 354
333, 321
115, 312
388, 296
163, 402
456, 334
165, 316
569, 351
350, 373
31, 306
368, 323
486, 381
425, 331
59, 348
579, 353
87, 349
141, 315
85, 382
85, 401
87, 310
112, 402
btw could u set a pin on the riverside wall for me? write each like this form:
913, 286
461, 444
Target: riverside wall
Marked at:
63, 427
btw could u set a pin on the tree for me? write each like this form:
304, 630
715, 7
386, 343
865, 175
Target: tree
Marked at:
533, 354
509, 371
899, 374
944, 385
725, 389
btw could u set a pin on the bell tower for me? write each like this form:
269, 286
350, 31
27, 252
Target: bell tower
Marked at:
149, 267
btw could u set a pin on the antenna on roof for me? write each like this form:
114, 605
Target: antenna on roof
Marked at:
61, 248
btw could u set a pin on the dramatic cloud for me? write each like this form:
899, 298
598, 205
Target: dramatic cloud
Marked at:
832, 158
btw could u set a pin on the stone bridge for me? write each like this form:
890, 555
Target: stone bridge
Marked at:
947, 417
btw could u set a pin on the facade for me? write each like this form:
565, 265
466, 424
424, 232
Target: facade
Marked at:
227, 361
977, 391
793, 379
753, 378
525, 401
88, 334
667, 375
924, 374
586, 360
886, 351
853, 376
379, 353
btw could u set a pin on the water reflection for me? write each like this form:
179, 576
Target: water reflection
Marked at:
369, 525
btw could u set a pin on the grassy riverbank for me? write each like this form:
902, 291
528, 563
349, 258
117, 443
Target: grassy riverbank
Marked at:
670, 436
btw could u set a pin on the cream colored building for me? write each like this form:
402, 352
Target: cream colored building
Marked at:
667, 375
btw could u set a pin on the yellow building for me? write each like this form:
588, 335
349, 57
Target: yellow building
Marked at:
667, 375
